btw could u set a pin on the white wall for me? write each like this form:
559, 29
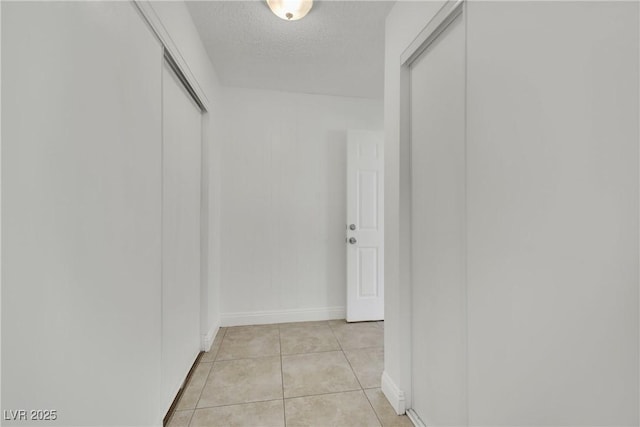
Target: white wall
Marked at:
284, 203
81, 207
81, 213
553, 213
552, 164
403, 24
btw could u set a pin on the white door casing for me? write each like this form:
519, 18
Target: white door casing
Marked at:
365, 226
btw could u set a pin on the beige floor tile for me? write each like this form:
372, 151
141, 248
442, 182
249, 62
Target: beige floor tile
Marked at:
200, 374
219, 336
341, 409
358, 335
258, 414
385, 411
307, 339
249, 341
210, 356
368, 364
251, 328
303, 324
194, 387
180, 419
189, 398
316, 373
337, 322
242, 381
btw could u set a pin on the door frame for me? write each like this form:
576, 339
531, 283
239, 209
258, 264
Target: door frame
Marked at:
450, 10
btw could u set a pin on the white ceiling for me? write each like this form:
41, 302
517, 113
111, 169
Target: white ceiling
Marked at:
337, 49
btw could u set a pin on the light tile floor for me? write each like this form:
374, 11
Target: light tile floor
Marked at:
291, 374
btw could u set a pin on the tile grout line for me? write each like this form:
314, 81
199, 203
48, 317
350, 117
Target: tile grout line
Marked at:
224, 335
357, 379
347, 359
336, 337
324, 394
206, 380
278, 400
246, 358
191, 417
191, 379
374, 409
234, 404
193, 411
284, 409
312, 352
293, 354
352, 370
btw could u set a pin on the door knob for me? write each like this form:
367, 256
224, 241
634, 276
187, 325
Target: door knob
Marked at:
352, 240
352, 227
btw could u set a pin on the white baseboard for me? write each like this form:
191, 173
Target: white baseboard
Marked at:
207, 339
282, 316
415, 419
394, 395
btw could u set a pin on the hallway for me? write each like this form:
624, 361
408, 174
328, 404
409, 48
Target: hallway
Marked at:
460, 177
311, 373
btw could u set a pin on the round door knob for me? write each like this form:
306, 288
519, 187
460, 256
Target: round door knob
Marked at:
352, 240
352, 227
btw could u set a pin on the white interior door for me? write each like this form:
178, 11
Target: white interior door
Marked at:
365, 220
180, 234
438, 293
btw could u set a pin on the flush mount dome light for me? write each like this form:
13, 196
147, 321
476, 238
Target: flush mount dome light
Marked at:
290, 10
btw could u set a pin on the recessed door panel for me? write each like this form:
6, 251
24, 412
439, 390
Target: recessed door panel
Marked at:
368, 272
368, 199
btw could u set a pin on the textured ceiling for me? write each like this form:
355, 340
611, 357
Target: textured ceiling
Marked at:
337, 49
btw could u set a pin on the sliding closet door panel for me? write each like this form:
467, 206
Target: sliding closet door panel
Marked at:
180, 234
438, 218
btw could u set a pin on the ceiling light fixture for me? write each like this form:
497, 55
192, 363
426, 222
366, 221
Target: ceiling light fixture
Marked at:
290, 10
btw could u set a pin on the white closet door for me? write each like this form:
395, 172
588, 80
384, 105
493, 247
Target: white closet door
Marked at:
181, 151
438, 230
